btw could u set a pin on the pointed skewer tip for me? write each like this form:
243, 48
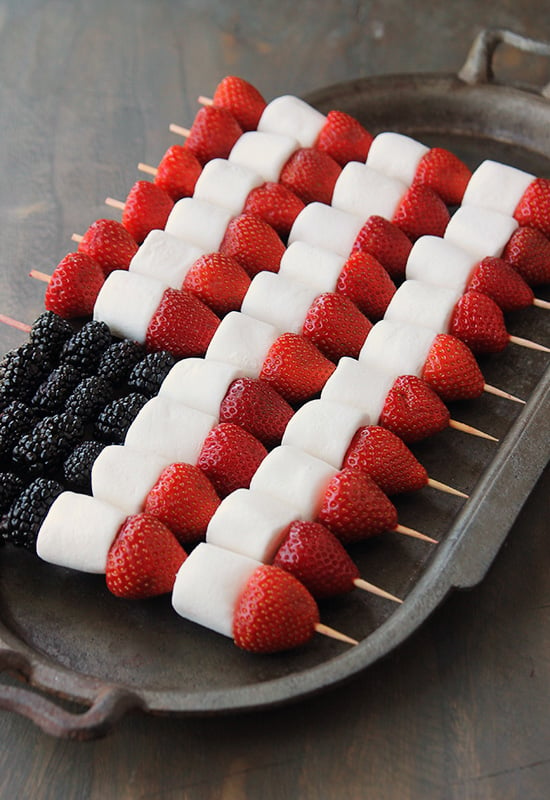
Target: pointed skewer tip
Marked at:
361, 583
443, 487
461, 426
325, 630
414, 534
519, 340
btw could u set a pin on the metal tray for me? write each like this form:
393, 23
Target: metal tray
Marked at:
63, 633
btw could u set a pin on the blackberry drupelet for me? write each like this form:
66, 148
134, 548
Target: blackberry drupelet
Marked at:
28, 512
89, 397
84, 349
49, 443
21, 371
52, 393
15, 420
119, 359
77, 468
11, 486
50, 332
115, 419
148, 374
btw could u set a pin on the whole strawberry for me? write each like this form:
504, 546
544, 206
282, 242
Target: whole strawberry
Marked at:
146, 208
451, 370
253, 243
182, 325
219, 281
295, 368
528, 251
366, 283
502, 283
257, 408
343, 138
74, 286
412, 410
213, 134
479, 323
241, 99
311, 175
386, 243
110, 244
276, 205
444, 173
534, 207
335, 326
229, 457
421, 212
178, 172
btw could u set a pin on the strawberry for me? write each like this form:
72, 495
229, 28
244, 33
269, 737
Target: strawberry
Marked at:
355, 508
412, 410
229, 457
295, 368
451, 370
144, 559
219, 281
274, 612
241, 99
178, 172
386, 242
146, 208
366, 283
184, 500
335, 325
276, 205
253, 243
257, 408
311, 175
498, 279
74, 286
421, 212
528, 251
213, 134
533, 208
110, 244
343, 138
182, 324
386, 459
444, 173
317, 559
479, 323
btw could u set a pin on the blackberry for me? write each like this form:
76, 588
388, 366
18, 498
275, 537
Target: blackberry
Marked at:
21, 371
52, 393
84, 349
15, 420
77, 468
50, 331
89, 397
28, 511
148, 374
115, 419
11, 486
119, 359
48, 444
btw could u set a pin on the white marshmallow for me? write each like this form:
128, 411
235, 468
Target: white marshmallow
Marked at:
324, 429
397, 348
265, 153
198, 222
439, 261
353, 384
364, 191
226, 184
199, 383
242, 341
497, 186
292, 116
170, 430
294, 477
281, 301
209, 584
396, 155
252, 523
123, 477
312, 265
326, 227
78, 532
480, 231
166, 258
126, 303
423, 304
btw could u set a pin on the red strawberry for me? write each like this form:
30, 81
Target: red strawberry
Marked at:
144, 559
386, 459
534, 207
257, 408
498, 279
451, 370
386, 242
110, 244
311, 174
479, 323
366, 283
335, 325
295, 368
213, 134
343, 138
182, 324
229, 457
421, 212
74, 286
355, 508
253, 243
412, 410
276, 205
178, 172
445, 173
146, 208
241, 99
274, 612
317, 559
219, 281
184, 500
528, 251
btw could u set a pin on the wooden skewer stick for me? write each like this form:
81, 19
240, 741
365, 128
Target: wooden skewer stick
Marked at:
334, 634
14, 323
205, 101
147, 168
461, 426
443, 487
501, 393
541, 303
529, 344
414, 534
370, 587
110, 201
179, 130
76, 237
40, 276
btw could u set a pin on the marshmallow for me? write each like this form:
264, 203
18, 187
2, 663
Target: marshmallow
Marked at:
126, 303
312, 265
281, 301
326, 227
480, 231
78, 532
291, 116
324, 429
123, 477
209, 584
439, 261
294, 477
199, 383
265, 153
423, 304
226, 184
166, 258
397, 348
364, 191
198, 222
498, 187
396, 155
353, 384
242, 341
252, 523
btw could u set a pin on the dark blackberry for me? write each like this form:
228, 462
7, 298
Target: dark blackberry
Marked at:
89, 397
84, 349
115, 419
28, 511
48, 444
11, 486
119, 359
15, 420
21, 371
148, 374
77, 468
51, 331
52, 393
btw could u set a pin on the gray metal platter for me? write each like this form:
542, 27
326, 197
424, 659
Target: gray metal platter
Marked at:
66, 635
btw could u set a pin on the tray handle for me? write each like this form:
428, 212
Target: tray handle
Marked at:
478, 67
110, 704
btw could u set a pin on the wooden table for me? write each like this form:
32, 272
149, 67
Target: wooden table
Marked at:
461, 709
